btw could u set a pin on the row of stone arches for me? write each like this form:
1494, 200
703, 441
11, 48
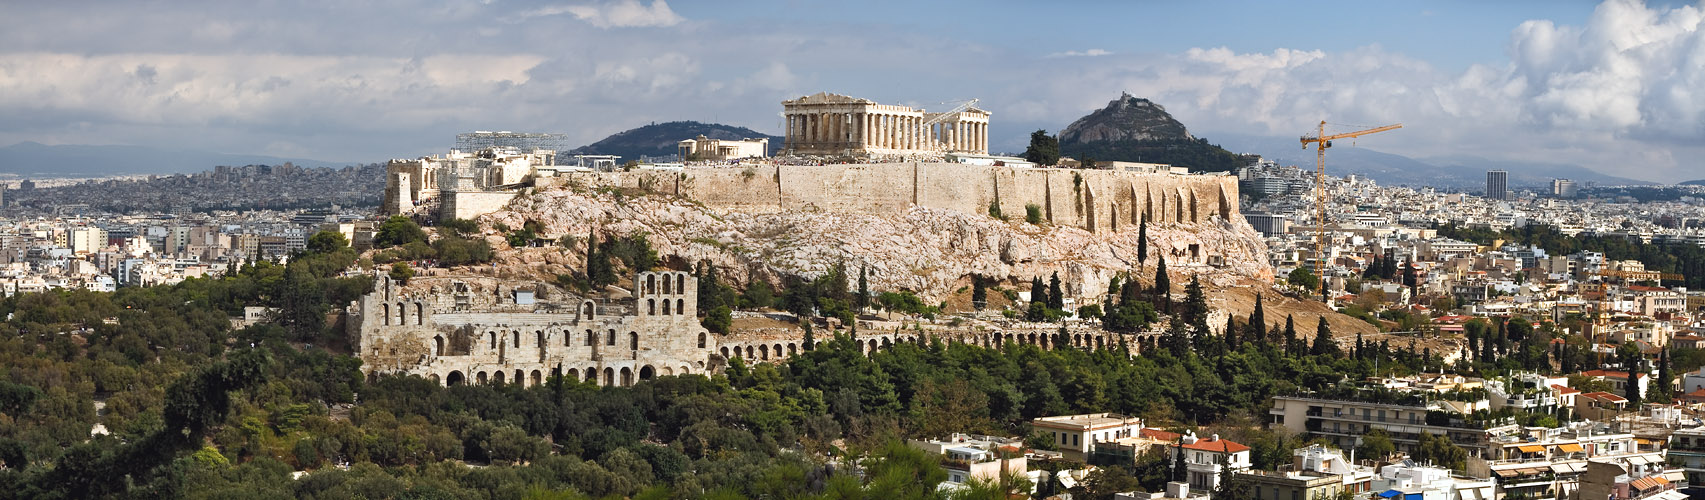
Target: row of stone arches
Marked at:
679, 309
498, 340
673, 283
760, 352
608, 377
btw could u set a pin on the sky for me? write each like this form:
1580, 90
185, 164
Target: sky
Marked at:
1617, 86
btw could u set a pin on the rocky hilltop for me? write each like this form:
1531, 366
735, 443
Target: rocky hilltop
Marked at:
1139, 130
932, 252
1125, 118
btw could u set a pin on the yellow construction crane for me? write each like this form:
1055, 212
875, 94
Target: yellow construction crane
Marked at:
1321, 142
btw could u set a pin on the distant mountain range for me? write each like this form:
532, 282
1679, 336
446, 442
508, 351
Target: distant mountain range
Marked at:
1700, 182
32, 159
1459, 172
662, 139
1135, 129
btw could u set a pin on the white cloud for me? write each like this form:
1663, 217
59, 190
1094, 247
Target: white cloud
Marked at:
1083, 53
615, 13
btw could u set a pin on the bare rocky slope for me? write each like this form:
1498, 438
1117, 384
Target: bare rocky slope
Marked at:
931, 252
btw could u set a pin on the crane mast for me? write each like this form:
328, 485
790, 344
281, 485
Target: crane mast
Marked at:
1322, 141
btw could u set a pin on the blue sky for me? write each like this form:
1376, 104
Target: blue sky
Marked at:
1617, 86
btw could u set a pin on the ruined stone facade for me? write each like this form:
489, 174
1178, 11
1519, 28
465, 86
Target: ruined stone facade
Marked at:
457, 332
409, 183
835, 124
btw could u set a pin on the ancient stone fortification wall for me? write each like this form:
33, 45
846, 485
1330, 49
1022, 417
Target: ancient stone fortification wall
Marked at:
1096, 200
470, 204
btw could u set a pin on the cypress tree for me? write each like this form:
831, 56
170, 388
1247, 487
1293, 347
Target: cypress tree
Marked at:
979, 291
811, 338
1291, 336
1231, 332
1323, 343
1056, 299
863, 298
1163, 286
1143, 241
1662, 393
1258, 322
1631, 363
1038, 301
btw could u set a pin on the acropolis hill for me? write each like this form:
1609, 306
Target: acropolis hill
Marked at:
885, 188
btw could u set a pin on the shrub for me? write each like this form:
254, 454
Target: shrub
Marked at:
1033, 213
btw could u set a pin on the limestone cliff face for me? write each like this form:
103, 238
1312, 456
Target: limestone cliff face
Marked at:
929, 251
1125, 118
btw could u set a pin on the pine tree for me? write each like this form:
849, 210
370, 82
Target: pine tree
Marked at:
1056, 299
1163, 286
1114, 288
1323, 343
1143, 241
1195, 301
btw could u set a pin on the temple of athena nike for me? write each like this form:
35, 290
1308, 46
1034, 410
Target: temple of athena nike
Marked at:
834, 124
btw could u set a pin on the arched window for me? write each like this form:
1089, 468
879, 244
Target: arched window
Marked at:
611, 340
492, 339
419, 313
702, 339
587, 310
455, 378
572, 374
609, 377
665, 307
665, 283
591, 338
763, 352
515, 339
647, 373
541, 335
627, 376
651, 306
387, 314
480, 379
681, 284
438, 346
633, 341
724, 352
497, 377
402, 314
650, 283
680, 306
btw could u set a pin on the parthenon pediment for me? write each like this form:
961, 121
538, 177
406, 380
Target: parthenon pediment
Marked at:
827, 98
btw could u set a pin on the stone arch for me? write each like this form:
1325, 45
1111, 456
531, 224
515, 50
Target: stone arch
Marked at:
872, 349
887, 343
591, 374
419, 313
680, 306
627, 376
438, 345
1032, 338
763, 352
572, 374
666, 286
666, 307
792, 349
497, 377
633, 341
591, 338
724, 352
491, 340
610, 339
518, 379
686, 371
455, 378
433, 378
703, 339
647, 372
537, 378
515, 339
777, 349
386, 316
667, 371
480, 378
650, 283
651, 306
587, 310
402, 313
1100, 342
680, 285
751, 353
609, 376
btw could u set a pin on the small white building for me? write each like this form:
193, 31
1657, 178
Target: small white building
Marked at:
703, 148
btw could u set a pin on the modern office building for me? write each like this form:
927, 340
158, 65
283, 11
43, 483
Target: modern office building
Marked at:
1497, 184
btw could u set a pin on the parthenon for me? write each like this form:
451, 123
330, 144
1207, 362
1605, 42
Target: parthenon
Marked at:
834, 124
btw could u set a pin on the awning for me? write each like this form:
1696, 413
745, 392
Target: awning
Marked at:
1507, 473
1570, 448
1532, 448
1414, 496
1562, 469
1390, 494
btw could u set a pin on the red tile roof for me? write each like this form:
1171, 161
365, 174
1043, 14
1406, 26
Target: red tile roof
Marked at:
1153, 433
1605, 396
1610, 374
1217, 445
1566, 390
